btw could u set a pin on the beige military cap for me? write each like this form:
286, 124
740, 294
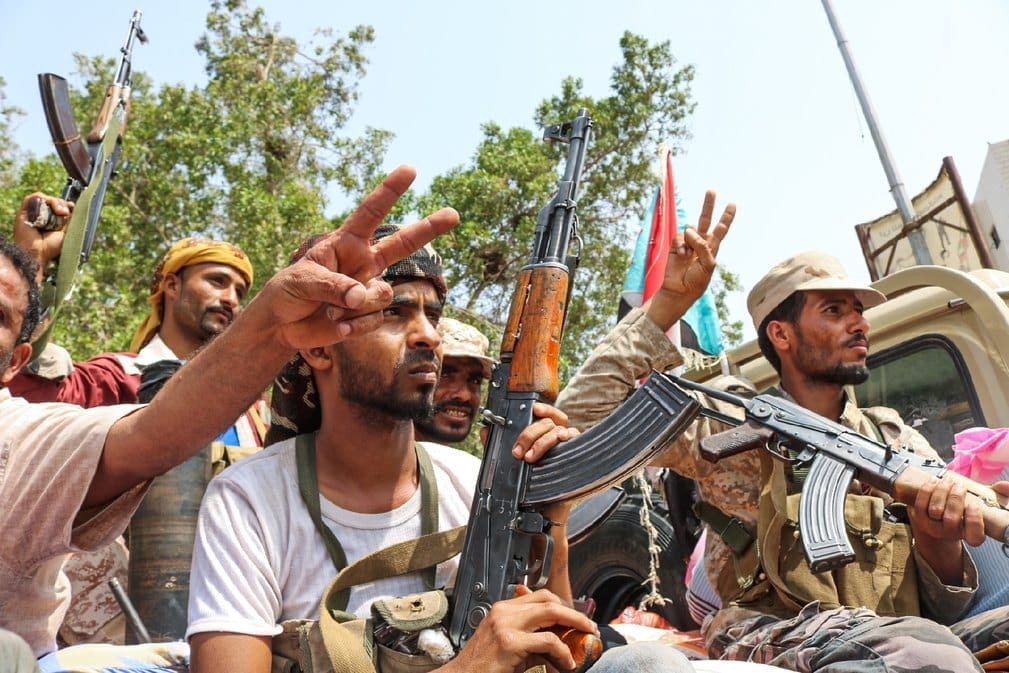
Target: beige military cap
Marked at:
811, 270
464, 341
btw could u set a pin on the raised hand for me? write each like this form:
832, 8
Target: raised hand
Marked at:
690, 264
335, 290
43, 244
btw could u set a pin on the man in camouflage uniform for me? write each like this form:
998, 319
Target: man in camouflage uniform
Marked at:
464, 368
808, 315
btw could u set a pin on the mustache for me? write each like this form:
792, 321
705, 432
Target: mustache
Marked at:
858, 339
420, 357
222, 309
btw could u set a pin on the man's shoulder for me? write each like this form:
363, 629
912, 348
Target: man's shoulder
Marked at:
448, 454
273, 461
454, 462
895, 431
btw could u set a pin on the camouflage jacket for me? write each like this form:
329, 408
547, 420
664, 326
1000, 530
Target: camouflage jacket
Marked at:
635, 347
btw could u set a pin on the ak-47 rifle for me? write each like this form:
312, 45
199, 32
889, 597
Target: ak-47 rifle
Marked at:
508, 540
89, 163
835, 455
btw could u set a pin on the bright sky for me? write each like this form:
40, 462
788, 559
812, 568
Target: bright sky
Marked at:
777, 128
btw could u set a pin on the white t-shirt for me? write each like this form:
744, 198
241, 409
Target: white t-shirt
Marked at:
258, 559
48, 456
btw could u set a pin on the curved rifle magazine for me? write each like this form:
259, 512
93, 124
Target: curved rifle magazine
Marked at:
637, 431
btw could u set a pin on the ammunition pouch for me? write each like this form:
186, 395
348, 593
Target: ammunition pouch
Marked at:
882, 577
385, 643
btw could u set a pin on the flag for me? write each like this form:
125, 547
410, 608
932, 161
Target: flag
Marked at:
698, 329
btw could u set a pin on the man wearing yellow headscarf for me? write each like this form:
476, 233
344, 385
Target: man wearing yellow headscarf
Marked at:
197, 289
196, 292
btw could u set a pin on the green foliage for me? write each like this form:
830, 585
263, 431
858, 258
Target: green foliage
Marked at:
251, 156
10, 155
513, 174
722, 284
246, 158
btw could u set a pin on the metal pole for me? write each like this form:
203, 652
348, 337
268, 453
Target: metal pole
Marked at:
915, 237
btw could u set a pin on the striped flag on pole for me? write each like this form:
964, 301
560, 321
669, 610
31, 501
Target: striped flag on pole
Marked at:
699, 328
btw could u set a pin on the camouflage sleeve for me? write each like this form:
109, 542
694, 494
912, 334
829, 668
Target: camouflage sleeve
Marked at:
941, 602
628, 353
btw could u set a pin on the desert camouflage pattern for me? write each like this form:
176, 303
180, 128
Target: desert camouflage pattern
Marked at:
94, 615
460, 340
854, 640
627, 354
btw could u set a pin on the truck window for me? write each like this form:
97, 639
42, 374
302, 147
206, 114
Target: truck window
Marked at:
927, 382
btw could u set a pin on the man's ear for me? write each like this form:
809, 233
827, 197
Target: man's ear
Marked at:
19, 358
318, 358
781, 335
171, 285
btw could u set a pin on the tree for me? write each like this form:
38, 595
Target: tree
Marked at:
513, 174
248, 158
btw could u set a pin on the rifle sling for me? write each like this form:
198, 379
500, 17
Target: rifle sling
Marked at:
308, 486
733, 532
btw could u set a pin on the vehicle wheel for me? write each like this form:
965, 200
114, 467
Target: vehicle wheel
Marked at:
611, 564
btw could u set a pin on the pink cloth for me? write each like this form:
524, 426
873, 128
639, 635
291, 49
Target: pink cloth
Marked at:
981, 453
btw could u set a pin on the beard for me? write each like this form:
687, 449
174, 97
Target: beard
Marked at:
814, 362
366, 388
210, 322
843, 375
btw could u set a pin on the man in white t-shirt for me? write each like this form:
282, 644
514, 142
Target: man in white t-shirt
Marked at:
259, 559
71, 477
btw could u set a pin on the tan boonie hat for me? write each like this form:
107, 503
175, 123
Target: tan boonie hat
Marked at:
460, 340
811, 270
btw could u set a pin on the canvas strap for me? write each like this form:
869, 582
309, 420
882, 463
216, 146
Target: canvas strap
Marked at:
308, 486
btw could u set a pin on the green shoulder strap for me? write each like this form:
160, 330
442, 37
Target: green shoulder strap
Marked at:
308, 486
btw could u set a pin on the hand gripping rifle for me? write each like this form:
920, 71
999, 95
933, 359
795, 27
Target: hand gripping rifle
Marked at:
90, 164
508, 537
835, 455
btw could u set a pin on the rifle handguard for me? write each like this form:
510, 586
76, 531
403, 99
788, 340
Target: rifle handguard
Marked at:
616, 448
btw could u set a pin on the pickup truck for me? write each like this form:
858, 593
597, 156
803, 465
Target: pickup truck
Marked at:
939, 355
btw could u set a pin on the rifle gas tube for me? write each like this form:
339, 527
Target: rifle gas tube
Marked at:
508, 538
835, 455
90, 164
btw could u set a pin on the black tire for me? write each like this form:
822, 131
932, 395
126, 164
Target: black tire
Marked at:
611, 563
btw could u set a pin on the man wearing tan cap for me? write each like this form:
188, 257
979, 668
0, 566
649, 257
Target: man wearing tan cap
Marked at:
464, 367
811, 328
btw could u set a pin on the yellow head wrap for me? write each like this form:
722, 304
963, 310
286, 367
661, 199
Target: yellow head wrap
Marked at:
187, 252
